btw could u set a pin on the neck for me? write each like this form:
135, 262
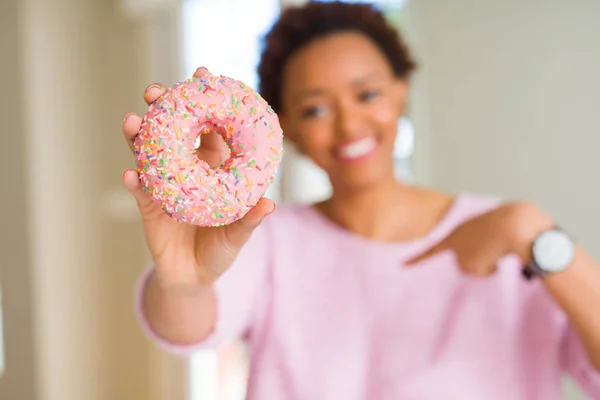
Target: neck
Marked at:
387, 210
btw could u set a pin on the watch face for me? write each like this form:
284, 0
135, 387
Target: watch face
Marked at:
553, 250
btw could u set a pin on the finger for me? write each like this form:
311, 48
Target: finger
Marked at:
239, 232
153, 92
131, 127
429, 253
212, 141
201, 72
213, 149
132, 183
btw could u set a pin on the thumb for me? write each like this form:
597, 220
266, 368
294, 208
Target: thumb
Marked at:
239, 231
132, 183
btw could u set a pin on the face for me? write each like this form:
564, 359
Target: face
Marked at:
340, 105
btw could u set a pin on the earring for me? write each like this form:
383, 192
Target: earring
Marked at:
405, 139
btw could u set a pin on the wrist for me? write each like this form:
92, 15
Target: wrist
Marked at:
190, 287
527, 221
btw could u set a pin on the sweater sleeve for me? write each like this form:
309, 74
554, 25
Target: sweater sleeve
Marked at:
238, 296
576, 363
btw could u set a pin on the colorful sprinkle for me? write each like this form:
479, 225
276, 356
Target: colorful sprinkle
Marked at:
190, 190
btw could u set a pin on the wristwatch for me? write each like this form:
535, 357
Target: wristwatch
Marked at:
552, 251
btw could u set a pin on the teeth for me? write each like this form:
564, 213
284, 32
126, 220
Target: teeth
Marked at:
358, 149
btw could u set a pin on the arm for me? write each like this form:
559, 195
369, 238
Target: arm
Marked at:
479, 243
576, 289
195, 286
180, 315
181, 319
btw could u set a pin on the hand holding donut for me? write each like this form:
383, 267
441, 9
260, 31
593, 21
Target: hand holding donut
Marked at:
187, 254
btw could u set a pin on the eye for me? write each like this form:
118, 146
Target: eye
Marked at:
368, 95
313, 112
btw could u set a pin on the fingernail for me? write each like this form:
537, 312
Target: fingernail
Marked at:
123, 174
149, 88
272, 209
127, 116
201, 70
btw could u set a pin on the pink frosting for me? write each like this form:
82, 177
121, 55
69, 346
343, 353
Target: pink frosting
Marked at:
189, 189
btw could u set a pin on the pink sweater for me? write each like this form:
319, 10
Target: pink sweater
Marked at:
332, 315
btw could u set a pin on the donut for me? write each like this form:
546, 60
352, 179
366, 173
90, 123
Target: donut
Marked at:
189, 189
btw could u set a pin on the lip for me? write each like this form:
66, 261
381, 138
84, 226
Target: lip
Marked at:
356, 150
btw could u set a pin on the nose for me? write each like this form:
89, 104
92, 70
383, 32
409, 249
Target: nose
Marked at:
348, 120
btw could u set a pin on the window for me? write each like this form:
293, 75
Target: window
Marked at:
226, 43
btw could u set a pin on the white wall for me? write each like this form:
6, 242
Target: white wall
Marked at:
511, 101
507, 103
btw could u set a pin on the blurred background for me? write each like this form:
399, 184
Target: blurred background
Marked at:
505, 102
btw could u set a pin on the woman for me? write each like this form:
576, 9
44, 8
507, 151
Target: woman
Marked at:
370, 294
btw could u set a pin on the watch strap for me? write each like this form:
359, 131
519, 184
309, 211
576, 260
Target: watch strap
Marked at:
532, 270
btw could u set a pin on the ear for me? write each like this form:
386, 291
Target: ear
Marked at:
400, 95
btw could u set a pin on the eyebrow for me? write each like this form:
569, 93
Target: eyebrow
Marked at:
366, 78
309, 93
319, 92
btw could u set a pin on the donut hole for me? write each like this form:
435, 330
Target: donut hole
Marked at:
211, 148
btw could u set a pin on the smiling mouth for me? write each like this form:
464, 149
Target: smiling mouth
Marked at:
357, 150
